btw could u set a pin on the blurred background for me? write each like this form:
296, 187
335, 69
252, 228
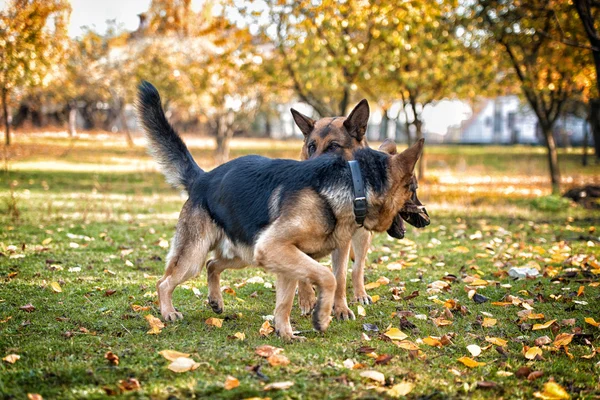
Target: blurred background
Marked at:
506, 92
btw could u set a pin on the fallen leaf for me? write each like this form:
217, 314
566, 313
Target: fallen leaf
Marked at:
552, 391
112, 358
432, 341
360, 310
441, 321
563, 339
523, 372
407, 345
266, 329
593, 322
496, 341
138, 308
532, 352
129, 385
460, 249
542, 340
183, 364
488, 322
55, 287
375, 298
231, 383
278, 359
486, 385
240, 335
11, 358
395, 334
383, 280
383, 359
535, 375
155, 324
474, 350
172, 355
34, 396
373, 375
372, 285
212, 321
401, 389
545, 325
279, 385
27, 307
469, 362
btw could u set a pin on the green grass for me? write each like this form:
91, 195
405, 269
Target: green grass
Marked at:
118, 220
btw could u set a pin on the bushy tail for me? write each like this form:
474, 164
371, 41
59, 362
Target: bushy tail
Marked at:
164, 144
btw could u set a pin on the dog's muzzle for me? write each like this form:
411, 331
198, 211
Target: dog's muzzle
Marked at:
414, 213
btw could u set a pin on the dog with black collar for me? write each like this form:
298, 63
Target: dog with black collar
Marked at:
280, 215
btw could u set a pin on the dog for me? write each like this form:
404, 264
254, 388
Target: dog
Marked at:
280, 215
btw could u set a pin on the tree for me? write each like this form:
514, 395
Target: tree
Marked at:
589, 14
549, 72
33, 34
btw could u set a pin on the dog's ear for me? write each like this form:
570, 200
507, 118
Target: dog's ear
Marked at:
409, 157
388, 146
305, 123
356, 123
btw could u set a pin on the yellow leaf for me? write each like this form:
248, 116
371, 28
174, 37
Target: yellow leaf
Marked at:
11, 358
46, 241
278, 359
580, 291
406, 345
460, 249
591, 321
496, 341
240, 335
532, 352
401, 389
469, 362
172, 355
383, 280
266, 329
183, 364
372, 285
231, 383
552, 391
440, 321
479, 282
563, 339
138, 308
55, 287
373, 375
488, 322
375, 298
266, 350
279, 385
360, 310
545, 325
155, 324
432, 341
34, 396
535, 316
395, 334
218, 322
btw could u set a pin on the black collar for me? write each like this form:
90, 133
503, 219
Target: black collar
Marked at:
360, 197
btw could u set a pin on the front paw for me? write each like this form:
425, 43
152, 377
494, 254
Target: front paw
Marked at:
216, 304
343, 313
362, 297
172, 316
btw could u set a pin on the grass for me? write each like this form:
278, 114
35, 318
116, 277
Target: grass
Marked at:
94, 230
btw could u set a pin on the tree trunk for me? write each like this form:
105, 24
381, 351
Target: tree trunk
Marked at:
268, 126
6, 117
552, 159
595, 124
72, 120
383, 128
421, 165
344, 102
224, 133
586, 134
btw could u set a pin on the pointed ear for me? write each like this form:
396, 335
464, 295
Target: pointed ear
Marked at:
305, 123
388, 146
409, 157
356, 123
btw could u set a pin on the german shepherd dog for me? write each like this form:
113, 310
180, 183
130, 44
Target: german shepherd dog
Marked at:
280, 215
341, 136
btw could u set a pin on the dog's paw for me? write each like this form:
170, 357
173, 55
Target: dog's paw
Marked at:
343, 313
307, 302
173, 316
363, 298
216, 305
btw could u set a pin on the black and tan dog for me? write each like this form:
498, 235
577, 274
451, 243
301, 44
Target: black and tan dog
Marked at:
280, 215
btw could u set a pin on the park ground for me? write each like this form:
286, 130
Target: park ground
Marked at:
83, 235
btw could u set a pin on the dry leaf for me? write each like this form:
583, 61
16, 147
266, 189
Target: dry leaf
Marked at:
212, 321
240, 335
407, 345
183, 364
231, 383
11, 358
488, 322
172, 355
395, 334
532, 352
267, 350
372, 285
552, 391
34, 396
542, 340
469, 362
27, 308
55, 287
112, 358
155, 324
432, 341
545, 325
535, 375
375, 298
266, 329
591, 321
278, 359
440, 321
383, 280
474, 350
373, 375
496, 341
279, 385
563, 339
129, 385
401, 389
360, 310
138, 308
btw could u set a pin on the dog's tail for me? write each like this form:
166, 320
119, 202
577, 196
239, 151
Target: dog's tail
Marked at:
164, 144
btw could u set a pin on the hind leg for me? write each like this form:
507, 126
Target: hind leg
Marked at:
306, 297
193, 239
214, 269
361, 241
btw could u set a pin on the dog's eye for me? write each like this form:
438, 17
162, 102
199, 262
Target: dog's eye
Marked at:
333, 147
311, 149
